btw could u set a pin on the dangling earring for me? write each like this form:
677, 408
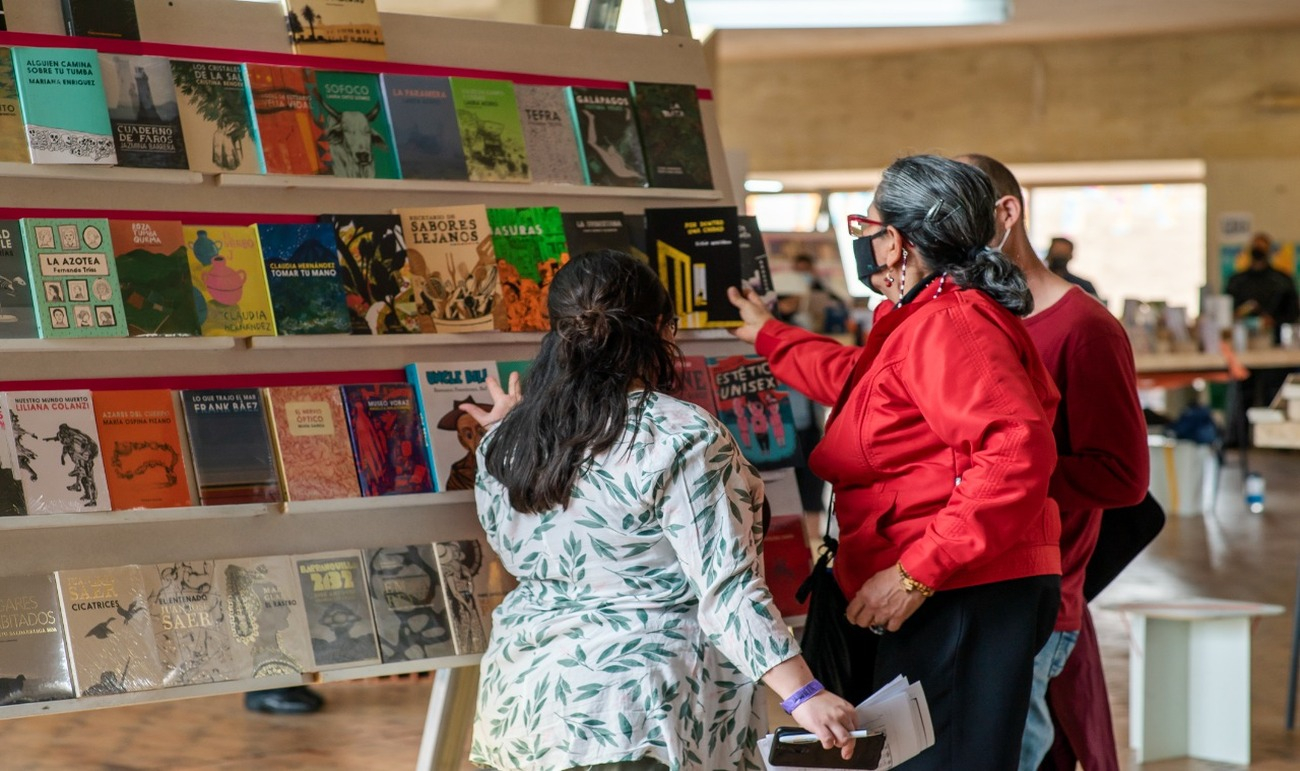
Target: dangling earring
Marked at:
889, 280
902, 277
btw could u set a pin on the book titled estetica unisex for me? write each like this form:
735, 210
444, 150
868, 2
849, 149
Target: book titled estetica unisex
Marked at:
310, 429
234, 459
443, 390
337, 606
110, 635
79, 294
189, 618
153, 269
756, 409
141, 440
63, 103
55, 443
32, 642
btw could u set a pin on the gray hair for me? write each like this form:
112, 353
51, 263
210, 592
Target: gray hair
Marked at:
945, 209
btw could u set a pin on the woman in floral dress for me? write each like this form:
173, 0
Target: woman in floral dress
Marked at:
641, 625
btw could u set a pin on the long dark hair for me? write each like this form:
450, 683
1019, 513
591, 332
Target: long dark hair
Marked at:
945, 208
608, 315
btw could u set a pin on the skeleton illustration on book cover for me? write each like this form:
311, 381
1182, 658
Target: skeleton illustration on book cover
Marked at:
262, 610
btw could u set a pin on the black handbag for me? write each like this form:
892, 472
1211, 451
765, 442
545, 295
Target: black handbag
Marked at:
1124, 534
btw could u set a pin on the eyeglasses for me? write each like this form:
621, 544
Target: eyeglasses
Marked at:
859, 223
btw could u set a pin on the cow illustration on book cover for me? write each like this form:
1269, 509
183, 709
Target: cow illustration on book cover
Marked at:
355, 139
756, 409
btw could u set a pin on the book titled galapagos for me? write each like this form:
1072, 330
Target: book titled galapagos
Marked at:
606, 131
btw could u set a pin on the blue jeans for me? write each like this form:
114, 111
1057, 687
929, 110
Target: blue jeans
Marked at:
1038, 728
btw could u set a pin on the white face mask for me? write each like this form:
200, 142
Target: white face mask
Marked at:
1003, 242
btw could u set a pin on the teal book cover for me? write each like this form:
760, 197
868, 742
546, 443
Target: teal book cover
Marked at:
607, 133
64, 107
302, 270
530, 248
17, 314
490, 131
74, 278
672, 134
349, 108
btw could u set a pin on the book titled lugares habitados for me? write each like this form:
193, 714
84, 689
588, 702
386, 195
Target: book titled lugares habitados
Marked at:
216, 114
64, 109
234, 459
32, 641
79, 294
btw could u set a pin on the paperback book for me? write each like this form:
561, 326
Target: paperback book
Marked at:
32, 644
13, 134
530, 248
388, 439
756, 409
190, 623
140, 436
55, 443
697, 254
426, 136
310, 429
490, 132
451, 270
101, 18
606, 131
264, 613
337, 605
234, 459
216, 115
595, 231
291, 139
12, 502
787, 560
636, 231
755, 270
229, 280
64, 110
372, 257
143, 111
409, 608
302, 273
507, 368
696, 383
110, 637
474, 582
79, 294
17, 313
443, 390
345, 29
672, 133
153, 270
548, 135
356, 140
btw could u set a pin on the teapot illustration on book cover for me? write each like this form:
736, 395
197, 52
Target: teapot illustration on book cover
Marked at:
223, 283
204, 248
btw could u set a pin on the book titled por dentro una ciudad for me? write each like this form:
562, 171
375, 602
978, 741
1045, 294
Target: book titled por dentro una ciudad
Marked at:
139, 433
302, 273
229, 279
426, 135
110, 635
216, 114
451, 270
344, 29
265, 616
310, 429
13, 134
443, 390
605, 125
410, 610
756, 409
189, 615
143, 111
372, 258
64, 109
337, 606
33, 642
17, 311
697, 254
234, 459
388, 439
672, 133
530, 248
290, 138
490, 131
355, 136
55, 443
78, 294
153, 269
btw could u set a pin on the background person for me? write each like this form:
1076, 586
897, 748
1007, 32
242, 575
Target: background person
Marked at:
1059, 255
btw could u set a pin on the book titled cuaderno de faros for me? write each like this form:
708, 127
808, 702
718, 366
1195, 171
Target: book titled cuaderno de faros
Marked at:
143, 112
64, 108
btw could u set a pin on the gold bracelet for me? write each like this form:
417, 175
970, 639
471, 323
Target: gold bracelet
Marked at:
911, 584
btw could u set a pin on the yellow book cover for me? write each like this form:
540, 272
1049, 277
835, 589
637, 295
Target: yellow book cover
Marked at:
347, 29
230, 286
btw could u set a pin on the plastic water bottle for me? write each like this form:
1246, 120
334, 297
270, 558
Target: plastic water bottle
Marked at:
1255, 493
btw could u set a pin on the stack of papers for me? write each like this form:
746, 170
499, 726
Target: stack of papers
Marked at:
899, 711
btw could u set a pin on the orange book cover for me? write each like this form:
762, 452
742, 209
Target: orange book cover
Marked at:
141, 442
282, 104
312, 442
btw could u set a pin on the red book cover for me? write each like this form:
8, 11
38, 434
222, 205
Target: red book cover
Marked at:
697, 383
282, 101
787, 561
311, 438
141, 441
388, 439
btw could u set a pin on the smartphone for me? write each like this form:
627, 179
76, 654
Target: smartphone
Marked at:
797, 747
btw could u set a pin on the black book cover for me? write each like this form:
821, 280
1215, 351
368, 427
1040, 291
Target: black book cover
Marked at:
672, 133
697, 254
594, 231
234, 459
754, 265
101, 18
605, 123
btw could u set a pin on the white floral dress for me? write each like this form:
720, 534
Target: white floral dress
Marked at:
641, 624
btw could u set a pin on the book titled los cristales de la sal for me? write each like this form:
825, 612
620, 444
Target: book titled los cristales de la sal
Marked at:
388, 439
216, 114
234, 459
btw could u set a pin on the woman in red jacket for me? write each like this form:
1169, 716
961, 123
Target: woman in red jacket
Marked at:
939, 450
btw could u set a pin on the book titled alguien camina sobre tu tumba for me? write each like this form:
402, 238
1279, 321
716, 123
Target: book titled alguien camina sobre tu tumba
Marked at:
64, 106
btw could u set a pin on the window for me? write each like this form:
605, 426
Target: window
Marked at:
785, 212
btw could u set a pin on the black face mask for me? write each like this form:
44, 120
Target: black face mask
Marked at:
865, 256
1258, 253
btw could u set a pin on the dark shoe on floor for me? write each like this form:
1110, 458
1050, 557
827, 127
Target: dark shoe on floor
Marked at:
298, 700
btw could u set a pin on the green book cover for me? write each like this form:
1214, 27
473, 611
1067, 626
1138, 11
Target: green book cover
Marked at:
74, 278
153, 269
13, 136
607, 133
672, 133
490, 131
530, 247
349, 108
65, 111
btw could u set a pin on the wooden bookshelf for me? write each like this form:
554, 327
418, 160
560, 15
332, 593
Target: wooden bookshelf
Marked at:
86, 703
466, 189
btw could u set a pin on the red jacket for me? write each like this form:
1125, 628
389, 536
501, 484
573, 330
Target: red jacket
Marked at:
941, 455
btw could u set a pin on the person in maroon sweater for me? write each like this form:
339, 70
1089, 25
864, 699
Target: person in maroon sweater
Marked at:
1102, 463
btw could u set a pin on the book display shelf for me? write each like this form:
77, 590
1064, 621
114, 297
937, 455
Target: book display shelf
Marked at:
254, 32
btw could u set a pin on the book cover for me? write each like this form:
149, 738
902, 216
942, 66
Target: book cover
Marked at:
755, 270
347, 29
13, 134
530, 248
409, 608
189, 622
756, 409
672, 133
606, 129
230, 289
234, 460
490, 132
595, 231
787, 561
17, 312
372, 256
507, 368
265, 616
453, 436
426, 135
64, 110
79, 294
388, 439
310, 429
451, 270
32, 643
696, 383
216, 114
548, 135
355, 137
153, 270
110, 637
290, 137
636, 231
140, 437
697, 254
474, 583
302, 273
143, 111
56, 446
12, 501
337, 605
101, 18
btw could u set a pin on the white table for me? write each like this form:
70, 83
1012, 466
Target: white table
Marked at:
1189, 678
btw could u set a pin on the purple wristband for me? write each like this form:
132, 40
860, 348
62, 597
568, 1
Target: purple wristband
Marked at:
800, 696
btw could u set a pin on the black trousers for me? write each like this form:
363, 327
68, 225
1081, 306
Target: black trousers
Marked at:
973, 652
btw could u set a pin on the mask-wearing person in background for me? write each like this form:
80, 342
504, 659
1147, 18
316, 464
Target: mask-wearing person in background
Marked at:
1059, 255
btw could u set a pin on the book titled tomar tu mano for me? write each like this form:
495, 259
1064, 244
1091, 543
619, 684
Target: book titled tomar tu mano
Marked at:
302, 273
